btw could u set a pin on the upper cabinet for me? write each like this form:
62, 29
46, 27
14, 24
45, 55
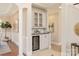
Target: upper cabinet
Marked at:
39, 17
35, 19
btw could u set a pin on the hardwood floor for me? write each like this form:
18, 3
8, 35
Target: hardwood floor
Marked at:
56, 50
14, 49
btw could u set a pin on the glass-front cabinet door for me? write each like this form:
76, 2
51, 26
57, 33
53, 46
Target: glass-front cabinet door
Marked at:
35, 19
40, 19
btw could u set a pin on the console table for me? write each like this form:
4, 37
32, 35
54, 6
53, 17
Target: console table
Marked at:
74, 46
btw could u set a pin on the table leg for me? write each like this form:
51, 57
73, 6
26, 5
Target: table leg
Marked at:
78, 49
74, 51
71, 50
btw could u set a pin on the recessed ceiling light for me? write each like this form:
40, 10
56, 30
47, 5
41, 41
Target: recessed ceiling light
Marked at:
60, 7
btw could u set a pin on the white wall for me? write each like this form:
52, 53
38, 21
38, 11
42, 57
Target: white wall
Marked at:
69, 18
15, 38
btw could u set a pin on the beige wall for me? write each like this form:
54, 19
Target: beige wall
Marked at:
5, 18
14, 21
53, 18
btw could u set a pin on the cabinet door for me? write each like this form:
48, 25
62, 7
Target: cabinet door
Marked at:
44, 41
44, 16
40, 19
35, 19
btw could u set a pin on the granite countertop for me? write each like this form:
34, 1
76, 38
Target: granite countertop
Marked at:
40, 33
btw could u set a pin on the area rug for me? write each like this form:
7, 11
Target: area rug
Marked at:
4, 48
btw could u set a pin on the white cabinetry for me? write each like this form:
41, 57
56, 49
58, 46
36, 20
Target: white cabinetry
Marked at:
44, 41
39, 17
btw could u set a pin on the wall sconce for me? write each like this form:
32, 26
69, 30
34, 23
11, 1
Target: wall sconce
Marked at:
77, 29
51, 27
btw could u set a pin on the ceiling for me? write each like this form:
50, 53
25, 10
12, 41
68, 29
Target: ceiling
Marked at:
53, 8
7, 8
50, 5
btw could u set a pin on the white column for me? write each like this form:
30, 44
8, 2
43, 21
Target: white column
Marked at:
63, 26
20, 30
29, 30
28, 48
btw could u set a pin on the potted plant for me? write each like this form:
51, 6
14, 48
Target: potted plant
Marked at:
6, 26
